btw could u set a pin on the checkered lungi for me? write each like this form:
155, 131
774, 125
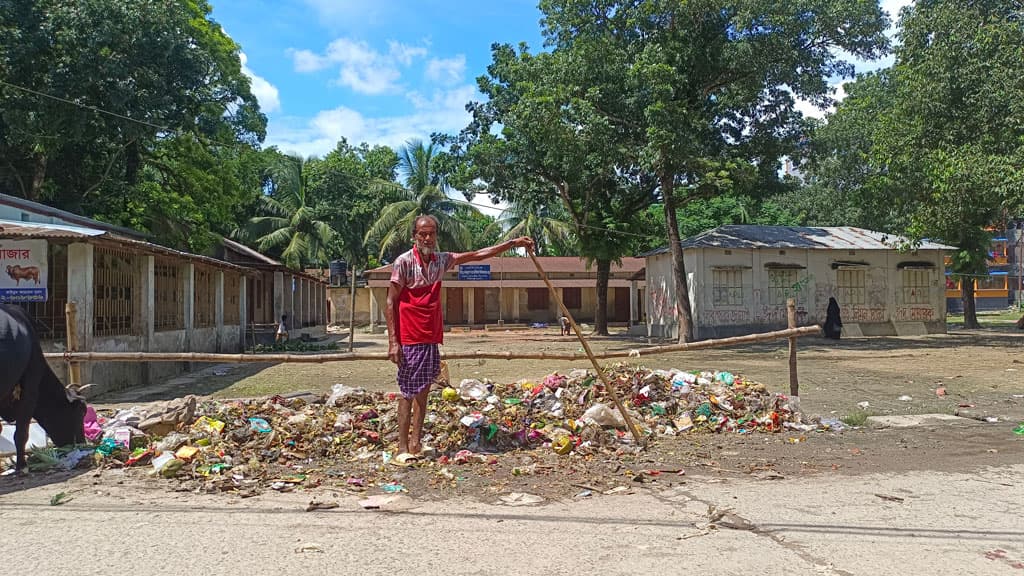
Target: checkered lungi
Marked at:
420, 365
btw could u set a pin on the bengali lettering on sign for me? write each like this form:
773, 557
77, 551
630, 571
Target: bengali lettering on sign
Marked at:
23, 271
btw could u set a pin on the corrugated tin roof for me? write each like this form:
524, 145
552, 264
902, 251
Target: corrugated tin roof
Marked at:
245, 250
51, 212
12, 229
806, 237
560, 264
37, 230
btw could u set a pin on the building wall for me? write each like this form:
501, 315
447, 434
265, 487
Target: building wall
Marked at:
880, 308
142, 336
339, 298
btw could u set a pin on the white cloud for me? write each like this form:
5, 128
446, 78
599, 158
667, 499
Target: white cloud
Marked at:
265, 92
361, 68
812, 111
444, 111
446, 70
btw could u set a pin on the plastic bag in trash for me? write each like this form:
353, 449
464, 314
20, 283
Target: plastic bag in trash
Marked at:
339, 391
472, 389
603, 415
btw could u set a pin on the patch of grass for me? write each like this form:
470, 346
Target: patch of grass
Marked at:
857, 418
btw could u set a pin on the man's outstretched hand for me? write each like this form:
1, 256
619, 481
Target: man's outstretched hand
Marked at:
523, 242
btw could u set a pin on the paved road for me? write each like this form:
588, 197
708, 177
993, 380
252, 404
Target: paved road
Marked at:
911, 523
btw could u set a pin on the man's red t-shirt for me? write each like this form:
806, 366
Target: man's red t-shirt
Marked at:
419, 297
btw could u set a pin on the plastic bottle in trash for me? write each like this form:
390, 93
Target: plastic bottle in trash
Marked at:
681, 382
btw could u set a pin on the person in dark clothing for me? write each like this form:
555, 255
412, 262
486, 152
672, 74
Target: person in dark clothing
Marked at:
833, 323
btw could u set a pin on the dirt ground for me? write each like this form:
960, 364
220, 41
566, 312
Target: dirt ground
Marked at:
982, 371
978, 370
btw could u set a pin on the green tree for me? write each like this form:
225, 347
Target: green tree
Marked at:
948, 149
292, 226
691, 87
544, 221
425, 193
135, 112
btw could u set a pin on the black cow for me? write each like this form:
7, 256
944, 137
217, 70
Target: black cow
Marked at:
29, 388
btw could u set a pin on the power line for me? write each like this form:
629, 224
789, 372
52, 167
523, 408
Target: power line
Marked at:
608, 230
171, 131
85, 106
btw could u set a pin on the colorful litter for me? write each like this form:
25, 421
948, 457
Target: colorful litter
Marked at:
274, 442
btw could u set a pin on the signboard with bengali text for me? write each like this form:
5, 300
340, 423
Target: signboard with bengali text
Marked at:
475, 272
23, 271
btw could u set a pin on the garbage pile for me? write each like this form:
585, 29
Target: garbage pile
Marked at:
279, 442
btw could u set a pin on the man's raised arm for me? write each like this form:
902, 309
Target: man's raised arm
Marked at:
492, 251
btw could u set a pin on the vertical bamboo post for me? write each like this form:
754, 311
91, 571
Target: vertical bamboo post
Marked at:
71, 321
352, 313
794, 384
590, 354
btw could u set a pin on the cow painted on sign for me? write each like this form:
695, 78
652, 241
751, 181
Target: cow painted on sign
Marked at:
29, 388
19, 273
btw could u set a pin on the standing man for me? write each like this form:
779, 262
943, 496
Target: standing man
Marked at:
415, 326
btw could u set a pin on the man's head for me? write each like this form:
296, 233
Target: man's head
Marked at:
424, 234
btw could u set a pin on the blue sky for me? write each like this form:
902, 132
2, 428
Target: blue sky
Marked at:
379, 71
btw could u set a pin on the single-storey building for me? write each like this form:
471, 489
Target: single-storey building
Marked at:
277, 290
130, 295
740, 277
508, 290
134, 295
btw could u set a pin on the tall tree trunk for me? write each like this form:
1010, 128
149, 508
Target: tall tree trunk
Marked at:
38, 177
604, 268
683, 310
970, 310
132, 162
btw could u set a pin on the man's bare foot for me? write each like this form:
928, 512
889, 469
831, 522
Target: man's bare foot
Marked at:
415, 448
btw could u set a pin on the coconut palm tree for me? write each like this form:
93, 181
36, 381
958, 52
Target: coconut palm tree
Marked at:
424, 193
546, 222
291, 225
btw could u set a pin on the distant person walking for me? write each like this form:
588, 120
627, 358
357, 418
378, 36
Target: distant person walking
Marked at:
566, 327
282, 330
415, 325
833, 323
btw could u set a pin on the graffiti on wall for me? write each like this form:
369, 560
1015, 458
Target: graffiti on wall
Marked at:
862, 314
914, 314
723, 317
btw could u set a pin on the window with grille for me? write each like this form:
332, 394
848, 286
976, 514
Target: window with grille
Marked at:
916, 285
115, 302
205, 301
727, 287
536, 298
232, 307
851, 286
782, 285
168, 295
49, 316
991, 283
572, 298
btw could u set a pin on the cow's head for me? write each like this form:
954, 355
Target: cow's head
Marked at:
62, 416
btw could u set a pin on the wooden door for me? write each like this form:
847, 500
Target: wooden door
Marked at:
479, 305
621, 305
453, 307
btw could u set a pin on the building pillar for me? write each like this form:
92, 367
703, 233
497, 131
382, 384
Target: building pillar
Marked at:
278, 300
80, 291
243, 310
633, 304
471, 315
218, 306
373, 309
515, 304
147, 313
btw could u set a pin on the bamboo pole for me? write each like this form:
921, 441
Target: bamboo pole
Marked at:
794, 384
590, 353
352, 313
71, 328
344, 357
